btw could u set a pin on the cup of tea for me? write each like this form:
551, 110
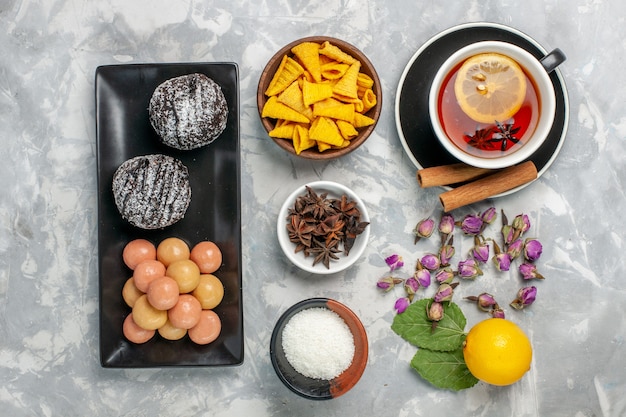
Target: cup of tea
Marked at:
492, 104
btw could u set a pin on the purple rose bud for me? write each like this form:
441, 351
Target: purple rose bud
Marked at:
529, 271
532, 249
445, 275
497, 312
401, 305
430, 262
424, 228
394, 261
509, 234
423, 277
411, 286
385, 283
472, 225
502, 261
521, 223
468, 269
435, 311
446, 224
515, 248
444, 293
480, 251
486, 301
525, 297
489, 215
445, 254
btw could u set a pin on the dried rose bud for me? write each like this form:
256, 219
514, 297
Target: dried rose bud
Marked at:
387, 283
508, 234
444, 293
529, 271
525, 297
532, 249
480, 251
401, 305
502, 260
394, 261
486, 301
497, 312
423, 277
515, 248
489, 215
468, 269
472, 224
430, 262
435, 311
424, 229
445, 254
446, 224
411, 286
521, 222
446, 275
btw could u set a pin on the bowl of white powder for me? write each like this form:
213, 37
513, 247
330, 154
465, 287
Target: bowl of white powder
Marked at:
319, 348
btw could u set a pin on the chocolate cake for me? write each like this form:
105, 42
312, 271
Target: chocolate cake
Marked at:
152, 191
189, 111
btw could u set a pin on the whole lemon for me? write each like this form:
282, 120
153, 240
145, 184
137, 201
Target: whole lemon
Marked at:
497, 351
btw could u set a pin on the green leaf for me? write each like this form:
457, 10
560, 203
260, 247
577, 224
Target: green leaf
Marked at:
443, 369
414, 327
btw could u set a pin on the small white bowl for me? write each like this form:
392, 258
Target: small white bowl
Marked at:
334, 190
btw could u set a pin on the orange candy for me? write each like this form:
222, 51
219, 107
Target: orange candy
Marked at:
136, 251
208, 328
210, 291
186, 273
186, 313
146, 316
146, 272
163, 293
207, 256
134, 333
171, 250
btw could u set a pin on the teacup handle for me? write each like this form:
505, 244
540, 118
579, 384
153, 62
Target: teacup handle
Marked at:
553, 60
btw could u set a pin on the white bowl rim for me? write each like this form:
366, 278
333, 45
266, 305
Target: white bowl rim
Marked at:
542, 78
334, 190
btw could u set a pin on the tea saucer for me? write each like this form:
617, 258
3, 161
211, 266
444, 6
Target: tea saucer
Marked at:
411, 108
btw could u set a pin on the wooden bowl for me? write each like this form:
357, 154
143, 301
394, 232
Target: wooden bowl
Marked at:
320, 389
366, 68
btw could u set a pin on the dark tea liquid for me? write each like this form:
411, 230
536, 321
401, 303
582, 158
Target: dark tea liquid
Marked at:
487, 140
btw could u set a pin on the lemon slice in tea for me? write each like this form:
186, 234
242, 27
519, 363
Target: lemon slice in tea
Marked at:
490, 87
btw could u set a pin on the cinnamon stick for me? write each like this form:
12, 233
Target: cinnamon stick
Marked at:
486, 187
449, 174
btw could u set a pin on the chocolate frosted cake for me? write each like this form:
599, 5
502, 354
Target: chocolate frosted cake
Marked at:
152, 191
188, 112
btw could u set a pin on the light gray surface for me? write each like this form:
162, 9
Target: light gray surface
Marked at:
48, 232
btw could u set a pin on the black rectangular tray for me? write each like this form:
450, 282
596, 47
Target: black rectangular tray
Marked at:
123, 131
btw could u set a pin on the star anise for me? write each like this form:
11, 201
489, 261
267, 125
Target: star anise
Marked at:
300, 232
324, 253
481, 139
506, 133
319, 226
347, 208
318, 205
331, 228
353, 228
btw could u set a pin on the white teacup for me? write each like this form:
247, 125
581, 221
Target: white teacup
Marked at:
538, 73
